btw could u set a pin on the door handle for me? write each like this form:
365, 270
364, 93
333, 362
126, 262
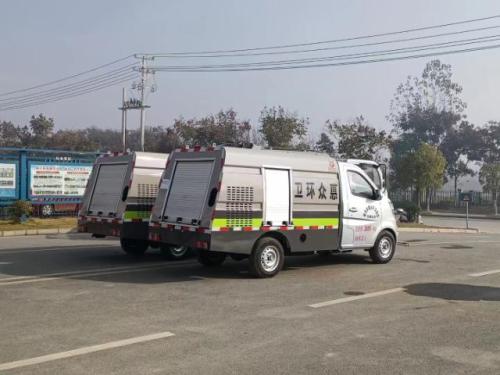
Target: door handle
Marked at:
353, 209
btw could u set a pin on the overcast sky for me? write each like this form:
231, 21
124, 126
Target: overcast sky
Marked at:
45, 40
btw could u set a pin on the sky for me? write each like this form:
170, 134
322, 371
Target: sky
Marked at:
45, 40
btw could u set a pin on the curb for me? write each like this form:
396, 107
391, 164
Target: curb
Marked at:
34, 232
438, 230
462, 216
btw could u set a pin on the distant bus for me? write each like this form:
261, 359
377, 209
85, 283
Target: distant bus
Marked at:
53, 181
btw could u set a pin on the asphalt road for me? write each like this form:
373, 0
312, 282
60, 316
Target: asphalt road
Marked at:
484, 225
70, 305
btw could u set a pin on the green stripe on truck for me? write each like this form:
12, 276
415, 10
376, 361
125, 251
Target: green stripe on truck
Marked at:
136, 215
301, 222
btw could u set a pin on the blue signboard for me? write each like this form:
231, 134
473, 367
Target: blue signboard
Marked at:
8, 180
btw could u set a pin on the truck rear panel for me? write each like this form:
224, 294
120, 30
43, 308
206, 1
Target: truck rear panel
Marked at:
120, 195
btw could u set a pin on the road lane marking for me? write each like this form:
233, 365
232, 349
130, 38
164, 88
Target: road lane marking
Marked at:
87, 273
84, 350
355, 298
485, 273
60, 248
412, 244
195, 277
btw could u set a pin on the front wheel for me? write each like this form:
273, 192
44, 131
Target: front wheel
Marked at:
384, 248
267, 258
175, 252
133, 246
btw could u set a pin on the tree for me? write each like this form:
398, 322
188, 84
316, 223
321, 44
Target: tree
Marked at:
325, 144
41, 131
222, 128
428, 168
9, 135
461, 145
281, 129
357, 139
489, 176
428, 109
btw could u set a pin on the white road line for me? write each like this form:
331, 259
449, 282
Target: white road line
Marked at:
82, 351
412, 244
355, 298
479, 274
194, 277
87, 273
43, 249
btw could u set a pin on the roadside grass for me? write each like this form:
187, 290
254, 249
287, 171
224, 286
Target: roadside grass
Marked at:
37, 223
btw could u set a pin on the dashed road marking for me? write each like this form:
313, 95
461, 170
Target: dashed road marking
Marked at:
92, 272
84, 350
485, 273
195, 277
355, 298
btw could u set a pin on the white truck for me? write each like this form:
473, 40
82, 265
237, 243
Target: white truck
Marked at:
118, 200
265, 204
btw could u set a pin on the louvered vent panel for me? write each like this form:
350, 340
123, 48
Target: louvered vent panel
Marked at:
147, 194
239, 206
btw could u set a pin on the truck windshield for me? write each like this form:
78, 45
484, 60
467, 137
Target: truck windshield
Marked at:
372, 172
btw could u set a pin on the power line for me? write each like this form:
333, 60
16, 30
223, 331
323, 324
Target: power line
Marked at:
358, 62
74, 85
68, 77
71, 95
167, 55
330, 41
68, 91
270, 63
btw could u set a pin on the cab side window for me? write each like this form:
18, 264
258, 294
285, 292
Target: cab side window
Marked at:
359, 185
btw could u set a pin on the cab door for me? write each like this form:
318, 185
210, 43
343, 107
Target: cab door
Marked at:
361, 214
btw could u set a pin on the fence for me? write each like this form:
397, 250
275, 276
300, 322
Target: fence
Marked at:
443, 199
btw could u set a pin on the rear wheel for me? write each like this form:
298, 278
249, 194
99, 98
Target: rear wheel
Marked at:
134, 246
175, 252
384, 248
211, 258
267, 258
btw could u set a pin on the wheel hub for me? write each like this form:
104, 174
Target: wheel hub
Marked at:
385, 247
269, 259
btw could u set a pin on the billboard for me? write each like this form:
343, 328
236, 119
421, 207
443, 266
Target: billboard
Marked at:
7, 180
58, 179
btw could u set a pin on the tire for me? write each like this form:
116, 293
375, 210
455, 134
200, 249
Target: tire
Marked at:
384, 248
133, 246
211, 258
267, 258
47, 210
175, 252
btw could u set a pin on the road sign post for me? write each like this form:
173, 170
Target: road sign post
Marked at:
466, 197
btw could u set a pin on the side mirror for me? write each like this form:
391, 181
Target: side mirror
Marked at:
377, 195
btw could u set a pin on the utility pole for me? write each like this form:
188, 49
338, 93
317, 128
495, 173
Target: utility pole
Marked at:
124, 121
143, 86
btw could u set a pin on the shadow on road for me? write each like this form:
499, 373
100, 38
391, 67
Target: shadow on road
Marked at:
104, 263
455, 292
